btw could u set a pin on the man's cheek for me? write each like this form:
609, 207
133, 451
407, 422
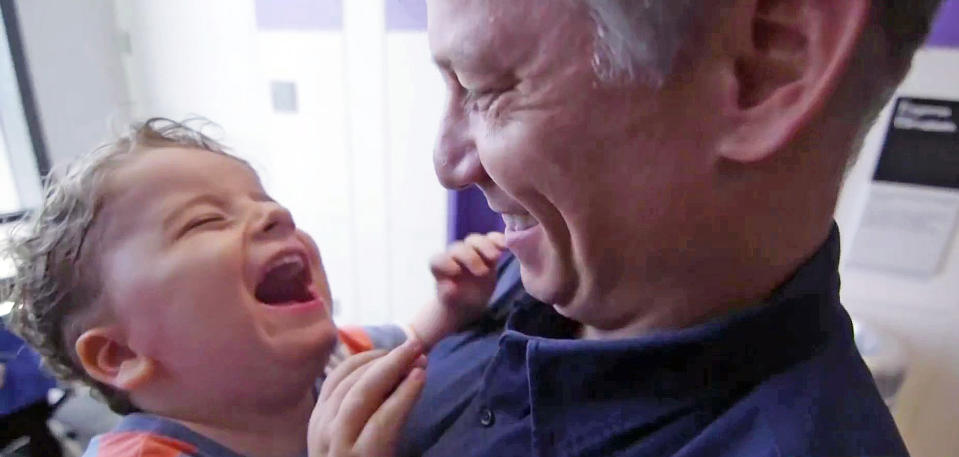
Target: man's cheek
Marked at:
510, 148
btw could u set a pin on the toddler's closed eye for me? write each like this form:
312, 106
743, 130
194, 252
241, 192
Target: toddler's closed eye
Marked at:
200, 223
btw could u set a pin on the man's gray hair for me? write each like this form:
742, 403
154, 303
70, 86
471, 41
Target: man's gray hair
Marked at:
641, 38
638, 39
56, 279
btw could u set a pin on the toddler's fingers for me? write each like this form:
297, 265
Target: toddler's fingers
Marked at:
498, 238
469, 258
333, 404
350, 365
384, 427
443, 265
369, 392
330, 425
486, 247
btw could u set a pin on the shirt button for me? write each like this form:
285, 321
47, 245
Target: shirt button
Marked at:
487, 418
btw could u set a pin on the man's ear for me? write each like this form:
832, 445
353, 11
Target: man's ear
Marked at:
785, 65
108, 359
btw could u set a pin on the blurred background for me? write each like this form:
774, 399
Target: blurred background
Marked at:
336, 103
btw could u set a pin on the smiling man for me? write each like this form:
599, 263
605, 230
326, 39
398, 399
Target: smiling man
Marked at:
667, 171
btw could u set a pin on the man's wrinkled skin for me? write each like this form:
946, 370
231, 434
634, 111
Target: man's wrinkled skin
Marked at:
654, 207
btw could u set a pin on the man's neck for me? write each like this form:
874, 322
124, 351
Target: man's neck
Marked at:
279, 433
683, 313
702, 297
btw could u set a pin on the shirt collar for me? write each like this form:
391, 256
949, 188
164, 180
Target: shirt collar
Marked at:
658, 375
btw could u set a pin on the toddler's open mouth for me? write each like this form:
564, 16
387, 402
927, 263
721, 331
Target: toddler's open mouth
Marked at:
287, 281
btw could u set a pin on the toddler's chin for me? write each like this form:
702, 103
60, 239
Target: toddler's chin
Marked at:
311, 346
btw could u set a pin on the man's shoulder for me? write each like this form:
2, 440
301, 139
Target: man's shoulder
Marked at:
827, 405
819, 407
135, 443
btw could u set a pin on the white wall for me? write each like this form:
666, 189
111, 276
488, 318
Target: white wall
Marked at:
73, 53
19, 180
417, 203
191, 58
364, 33
9, 197
922, 312
316, 169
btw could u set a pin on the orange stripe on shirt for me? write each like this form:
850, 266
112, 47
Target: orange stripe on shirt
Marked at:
355, 339
141, 444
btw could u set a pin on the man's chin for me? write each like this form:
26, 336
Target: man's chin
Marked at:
561, 295
572, 311
548, 288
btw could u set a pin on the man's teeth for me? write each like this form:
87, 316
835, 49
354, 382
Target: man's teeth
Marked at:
519, 222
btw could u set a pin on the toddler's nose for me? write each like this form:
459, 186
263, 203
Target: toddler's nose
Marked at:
276, 222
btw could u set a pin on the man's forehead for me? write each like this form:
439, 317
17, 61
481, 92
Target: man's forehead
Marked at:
458, 30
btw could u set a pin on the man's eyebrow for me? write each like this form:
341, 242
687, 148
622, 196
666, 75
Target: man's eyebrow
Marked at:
175, 214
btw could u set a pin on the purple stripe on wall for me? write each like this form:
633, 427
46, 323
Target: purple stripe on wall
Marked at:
299, 14
405, 15
469, 213
946, 30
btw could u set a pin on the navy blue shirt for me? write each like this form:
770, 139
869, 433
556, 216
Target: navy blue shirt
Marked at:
781, 379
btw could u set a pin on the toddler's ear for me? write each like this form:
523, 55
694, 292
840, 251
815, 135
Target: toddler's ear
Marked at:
106, 358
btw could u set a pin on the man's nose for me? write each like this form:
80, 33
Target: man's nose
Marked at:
275, 222
455, 158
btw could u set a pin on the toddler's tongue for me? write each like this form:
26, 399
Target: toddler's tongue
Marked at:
284, 285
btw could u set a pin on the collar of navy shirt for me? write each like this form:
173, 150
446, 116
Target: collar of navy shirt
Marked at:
698, 368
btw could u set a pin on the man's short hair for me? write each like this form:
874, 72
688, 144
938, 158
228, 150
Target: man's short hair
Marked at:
640, 39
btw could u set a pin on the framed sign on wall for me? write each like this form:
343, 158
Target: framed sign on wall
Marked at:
913, 204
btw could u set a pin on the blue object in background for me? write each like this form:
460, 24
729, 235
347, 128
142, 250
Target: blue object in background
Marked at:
469, 213
945, 32
24, 381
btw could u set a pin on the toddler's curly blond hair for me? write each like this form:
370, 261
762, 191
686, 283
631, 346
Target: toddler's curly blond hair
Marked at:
56, 283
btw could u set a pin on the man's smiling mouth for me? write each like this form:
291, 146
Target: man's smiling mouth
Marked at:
519, 222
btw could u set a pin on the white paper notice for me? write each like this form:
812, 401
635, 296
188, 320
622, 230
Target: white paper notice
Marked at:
906, 228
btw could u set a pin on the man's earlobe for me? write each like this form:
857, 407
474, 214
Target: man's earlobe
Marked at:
109, 360
786, 65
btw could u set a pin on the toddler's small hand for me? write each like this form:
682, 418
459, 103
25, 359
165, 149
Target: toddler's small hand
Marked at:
365, 402
465, 278
466, 273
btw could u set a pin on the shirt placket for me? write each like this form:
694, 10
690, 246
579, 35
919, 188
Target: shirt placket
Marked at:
504, 396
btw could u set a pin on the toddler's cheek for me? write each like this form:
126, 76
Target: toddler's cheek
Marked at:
316, 264
310, 245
